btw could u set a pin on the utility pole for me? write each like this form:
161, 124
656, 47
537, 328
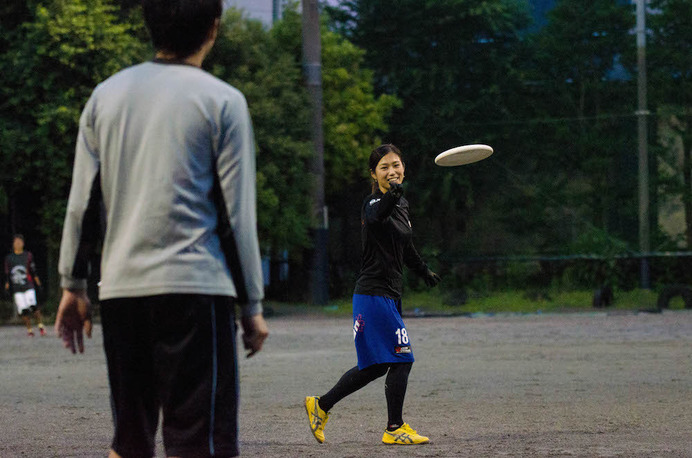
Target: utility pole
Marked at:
642, 116
312, 70
276, 10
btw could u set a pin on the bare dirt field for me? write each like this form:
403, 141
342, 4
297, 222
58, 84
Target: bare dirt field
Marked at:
577, 385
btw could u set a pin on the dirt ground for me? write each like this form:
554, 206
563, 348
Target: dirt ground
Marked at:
576, 385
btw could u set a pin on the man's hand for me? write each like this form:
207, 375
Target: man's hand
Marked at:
73, 319
255, 332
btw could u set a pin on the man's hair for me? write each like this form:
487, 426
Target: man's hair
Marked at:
18, 236
180, 27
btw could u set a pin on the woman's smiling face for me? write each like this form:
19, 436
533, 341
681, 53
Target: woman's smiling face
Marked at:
390, 168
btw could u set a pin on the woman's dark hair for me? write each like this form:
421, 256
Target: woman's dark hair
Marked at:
377, 155
180, 27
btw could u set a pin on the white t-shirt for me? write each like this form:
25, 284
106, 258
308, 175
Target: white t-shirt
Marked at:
155, 141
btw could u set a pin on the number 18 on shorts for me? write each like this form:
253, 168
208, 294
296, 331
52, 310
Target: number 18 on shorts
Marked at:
402, 341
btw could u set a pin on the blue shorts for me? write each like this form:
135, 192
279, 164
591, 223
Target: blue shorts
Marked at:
379, 332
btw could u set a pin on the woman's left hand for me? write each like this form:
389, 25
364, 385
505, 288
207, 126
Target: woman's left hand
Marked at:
431, 278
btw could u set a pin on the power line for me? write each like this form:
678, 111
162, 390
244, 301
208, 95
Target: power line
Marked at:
521, 122
565, 257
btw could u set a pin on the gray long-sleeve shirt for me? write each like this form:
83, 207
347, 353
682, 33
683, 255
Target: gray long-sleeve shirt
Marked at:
164, 156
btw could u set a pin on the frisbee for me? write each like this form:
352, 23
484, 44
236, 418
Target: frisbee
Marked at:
462, 155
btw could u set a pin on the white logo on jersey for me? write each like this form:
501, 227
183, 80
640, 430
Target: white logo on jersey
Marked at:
18, 274
358, 325
374, 201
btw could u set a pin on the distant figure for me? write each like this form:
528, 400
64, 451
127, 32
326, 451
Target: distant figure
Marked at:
21, 281
382, 342
165, 169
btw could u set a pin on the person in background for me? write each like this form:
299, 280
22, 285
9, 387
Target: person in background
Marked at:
21, 281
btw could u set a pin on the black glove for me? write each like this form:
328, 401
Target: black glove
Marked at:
397, 189
431, 278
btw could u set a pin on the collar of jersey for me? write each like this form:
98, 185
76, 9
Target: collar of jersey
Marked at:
158, 60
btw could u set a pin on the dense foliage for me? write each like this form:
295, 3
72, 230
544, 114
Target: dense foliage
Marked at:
556, 102
48, 70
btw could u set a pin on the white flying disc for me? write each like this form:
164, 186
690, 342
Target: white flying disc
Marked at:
462, 155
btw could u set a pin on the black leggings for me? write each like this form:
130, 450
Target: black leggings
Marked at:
355, 379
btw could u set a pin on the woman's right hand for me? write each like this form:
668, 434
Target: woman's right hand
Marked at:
397, 189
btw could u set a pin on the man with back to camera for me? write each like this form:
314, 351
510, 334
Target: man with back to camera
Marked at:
165, 161
22, 280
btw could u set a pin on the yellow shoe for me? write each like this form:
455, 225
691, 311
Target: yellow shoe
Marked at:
404, 435
317, 417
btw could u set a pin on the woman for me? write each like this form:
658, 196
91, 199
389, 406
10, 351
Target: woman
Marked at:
382, 342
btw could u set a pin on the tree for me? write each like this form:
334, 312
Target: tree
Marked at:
354, 115
581, 82
265, 65
247, 56
48, 72
355, 118
670, 61
12, 14
453, 65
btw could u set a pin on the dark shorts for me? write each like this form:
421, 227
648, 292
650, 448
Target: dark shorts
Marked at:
379, 332
175, 354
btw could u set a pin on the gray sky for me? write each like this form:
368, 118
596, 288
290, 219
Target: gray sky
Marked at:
256, 9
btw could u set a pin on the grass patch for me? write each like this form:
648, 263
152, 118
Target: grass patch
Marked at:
556, 302
438, 301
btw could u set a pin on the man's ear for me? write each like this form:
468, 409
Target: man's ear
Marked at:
215, 29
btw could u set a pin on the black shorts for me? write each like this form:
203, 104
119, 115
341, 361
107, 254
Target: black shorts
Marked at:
175, 354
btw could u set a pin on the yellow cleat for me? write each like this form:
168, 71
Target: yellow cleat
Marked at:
404, 435
317, 417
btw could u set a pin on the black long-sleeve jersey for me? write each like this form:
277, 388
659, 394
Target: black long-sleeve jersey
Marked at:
387, 246
20, 271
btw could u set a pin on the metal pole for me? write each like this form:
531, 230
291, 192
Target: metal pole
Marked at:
642, 114
276, 10
312, 70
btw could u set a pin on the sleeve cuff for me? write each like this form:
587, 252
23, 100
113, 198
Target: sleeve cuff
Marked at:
251, 308
423, 270
73, 283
